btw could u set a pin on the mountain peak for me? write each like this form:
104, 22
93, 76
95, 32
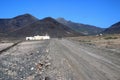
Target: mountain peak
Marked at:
8, 25
48, 19
116, 24
47, 25
27, 15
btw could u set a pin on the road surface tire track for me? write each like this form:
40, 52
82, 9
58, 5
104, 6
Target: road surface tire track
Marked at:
87, 66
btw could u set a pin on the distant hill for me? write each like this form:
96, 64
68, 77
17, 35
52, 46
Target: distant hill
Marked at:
9, 25
45, 26
82, 28
113, 29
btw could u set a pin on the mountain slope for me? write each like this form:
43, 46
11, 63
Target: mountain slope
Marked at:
113, 29
83, 28
8, 25
45, 26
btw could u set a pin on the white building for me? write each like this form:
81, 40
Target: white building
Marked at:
38, 37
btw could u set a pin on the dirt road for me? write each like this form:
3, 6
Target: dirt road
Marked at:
59, 60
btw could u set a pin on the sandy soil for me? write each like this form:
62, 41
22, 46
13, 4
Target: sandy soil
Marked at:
111, 42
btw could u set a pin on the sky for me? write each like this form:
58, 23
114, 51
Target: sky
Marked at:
101, 13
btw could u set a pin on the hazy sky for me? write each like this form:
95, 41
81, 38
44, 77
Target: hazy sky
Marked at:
101, 13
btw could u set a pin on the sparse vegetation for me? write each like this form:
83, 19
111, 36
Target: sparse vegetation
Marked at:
110, 37
111, 41
84, 41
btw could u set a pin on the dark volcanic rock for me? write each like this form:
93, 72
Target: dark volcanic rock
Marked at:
28, 25
114, 29
45, 26
82, 28
9, 25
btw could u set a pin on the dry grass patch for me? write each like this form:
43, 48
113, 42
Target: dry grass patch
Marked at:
108, 41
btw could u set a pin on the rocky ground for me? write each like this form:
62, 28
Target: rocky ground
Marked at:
59, 59
5, 45
24, 61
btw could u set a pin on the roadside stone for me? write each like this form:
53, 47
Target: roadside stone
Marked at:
11, 73
30, 78
20, 69
32, 68
47, 50
47, 64
39, 66
31, 53
47, 78
37, 51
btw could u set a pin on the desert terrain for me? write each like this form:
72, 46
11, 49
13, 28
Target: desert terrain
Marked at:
78, 58
111, 41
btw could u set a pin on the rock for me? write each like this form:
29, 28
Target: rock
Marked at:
47, 78
39, 66
31, 53
11, 73
20, 69
47, 50
30, 78
32, 68
47, 64
40, 72
37, 51
46, 61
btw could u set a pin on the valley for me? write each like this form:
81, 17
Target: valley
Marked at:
72, 51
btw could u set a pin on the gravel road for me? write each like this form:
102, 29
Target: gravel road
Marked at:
59, 59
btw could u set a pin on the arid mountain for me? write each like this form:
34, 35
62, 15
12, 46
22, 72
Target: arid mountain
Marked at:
82, 28
114, 29
8, 25
45, 26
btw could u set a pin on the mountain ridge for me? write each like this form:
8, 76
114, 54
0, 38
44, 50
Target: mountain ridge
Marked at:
11, 24
113, 29
28, 25
44, 26
79, 27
